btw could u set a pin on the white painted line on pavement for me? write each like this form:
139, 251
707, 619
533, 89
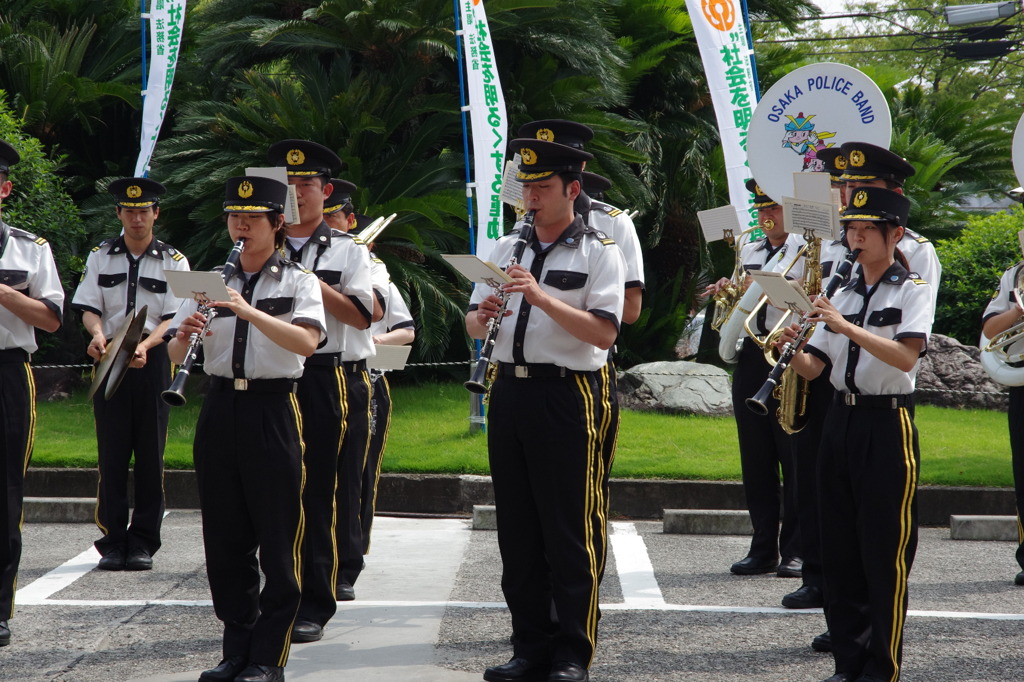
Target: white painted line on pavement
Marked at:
56, 580
636, 573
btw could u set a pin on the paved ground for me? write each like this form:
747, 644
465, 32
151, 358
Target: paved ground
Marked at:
429, 608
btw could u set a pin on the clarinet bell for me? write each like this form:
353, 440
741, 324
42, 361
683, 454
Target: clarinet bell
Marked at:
759, 403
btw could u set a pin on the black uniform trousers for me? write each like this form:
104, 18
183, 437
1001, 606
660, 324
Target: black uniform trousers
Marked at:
868, 469
133, 420
545, 446
806, 444
609, 387
1015, 416
354, 448
322, 398
765, 449
380, 415
248, 459
17, 427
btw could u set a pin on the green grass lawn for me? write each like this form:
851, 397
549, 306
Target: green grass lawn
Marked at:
430, 434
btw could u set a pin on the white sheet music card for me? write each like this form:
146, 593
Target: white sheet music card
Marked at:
511, 188
716, 223
783, 293
197, 286
476, 270
815, 218
388, 357
291, 203
812, 186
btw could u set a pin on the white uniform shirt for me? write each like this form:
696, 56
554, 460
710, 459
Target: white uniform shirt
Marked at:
754, 256
283, 289
617, 224
116, 284
921, 256
358, 344
396, 315
1003, 300
581, 269
26, 265
832, 254
339, 260
898, 307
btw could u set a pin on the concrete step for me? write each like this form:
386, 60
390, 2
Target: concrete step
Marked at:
60, 509
964, 527
707, 522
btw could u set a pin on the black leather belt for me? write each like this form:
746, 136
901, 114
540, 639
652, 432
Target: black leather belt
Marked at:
875, 402
14, 355
324, 360
353, 366
254, 385
534, 371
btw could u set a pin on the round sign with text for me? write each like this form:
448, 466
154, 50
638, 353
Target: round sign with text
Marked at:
812, 108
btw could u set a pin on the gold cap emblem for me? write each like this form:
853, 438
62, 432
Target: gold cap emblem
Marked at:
546, 134
245, 189
295, 157
758, 191
528, 156
133, 191
857, 158
860, 198
841, 162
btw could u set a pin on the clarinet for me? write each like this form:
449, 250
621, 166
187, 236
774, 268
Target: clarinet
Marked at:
477, 383
175, 393
758, 404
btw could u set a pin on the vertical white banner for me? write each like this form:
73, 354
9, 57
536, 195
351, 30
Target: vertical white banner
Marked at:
166, 21
722, 38
489, 123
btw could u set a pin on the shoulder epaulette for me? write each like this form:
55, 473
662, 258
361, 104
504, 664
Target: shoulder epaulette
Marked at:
377, 260
601, 236
921, 240
170, 251
285, 263
357, 240
95, 249
22, 234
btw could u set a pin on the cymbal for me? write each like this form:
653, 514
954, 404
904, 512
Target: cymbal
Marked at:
119, 353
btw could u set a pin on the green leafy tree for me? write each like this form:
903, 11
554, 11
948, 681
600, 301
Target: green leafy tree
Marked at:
40, 204
971, 266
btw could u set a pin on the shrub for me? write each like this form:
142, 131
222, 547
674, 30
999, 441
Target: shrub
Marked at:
39, 204
971, 266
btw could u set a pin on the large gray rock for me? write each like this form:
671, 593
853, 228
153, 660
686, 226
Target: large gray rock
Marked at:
677, 387
951, 376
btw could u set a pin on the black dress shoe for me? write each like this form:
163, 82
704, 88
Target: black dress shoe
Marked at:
307, 631
261, 673
344, 592
113, 560
839, 677
807, 597
1019, 580
518, 670
751, 566
226, 671
565, 671
5, 633
792, 567
822, 642
138, 560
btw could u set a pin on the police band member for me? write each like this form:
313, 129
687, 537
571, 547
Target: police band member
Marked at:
122, 275
805, 443
546, 464
248, 446
31, 297
596, 213
765, 448
873, 333
352, 529
343, 268
1004, 311
868, 165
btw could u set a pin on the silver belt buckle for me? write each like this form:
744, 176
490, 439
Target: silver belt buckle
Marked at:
850, 399
895, 403
522, 372
241, 384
